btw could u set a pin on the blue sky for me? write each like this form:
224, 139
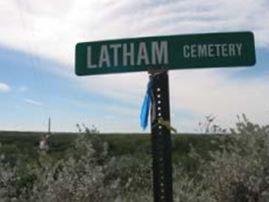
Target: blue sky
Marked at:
37, 77
36, 93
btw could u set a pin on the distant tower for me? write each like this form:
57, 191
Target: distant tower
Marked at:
49, 126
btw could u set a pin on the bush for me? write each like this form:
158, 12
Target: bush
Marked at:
88, 174
235, 170
239, 171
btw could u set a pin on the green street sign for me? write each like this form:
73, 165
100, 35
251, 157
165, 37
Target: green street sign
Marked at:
165, 52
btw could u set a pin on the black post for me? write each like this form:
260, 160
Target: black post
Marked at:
161, 138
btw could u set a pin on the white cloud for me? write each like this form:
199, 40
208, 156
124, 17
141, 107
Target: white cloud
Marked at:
33, 102
52, 28
195, 92
120, 87
4, 88
208, 92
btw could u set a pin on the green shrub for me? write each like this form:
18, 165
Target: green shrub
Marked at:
226, 168
239, 171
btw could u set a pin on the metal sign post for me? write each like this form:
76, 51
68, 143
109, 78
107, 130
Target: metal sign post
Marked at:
161, 138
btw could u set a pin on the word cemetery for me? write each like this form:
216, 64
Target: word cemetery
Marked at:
212, 50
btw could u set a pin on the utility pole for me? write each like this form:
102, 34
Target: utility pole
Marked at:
49, 126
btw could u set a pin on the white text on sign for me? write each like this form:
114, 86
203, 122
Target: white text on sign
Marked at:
212, 50
109, 55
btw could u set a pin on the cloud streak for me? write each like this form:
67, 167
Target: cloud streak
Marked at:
23, 89
33, 102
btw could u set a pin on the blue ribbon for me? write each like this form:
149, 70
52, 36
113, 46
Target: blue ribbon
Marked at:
145, 107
